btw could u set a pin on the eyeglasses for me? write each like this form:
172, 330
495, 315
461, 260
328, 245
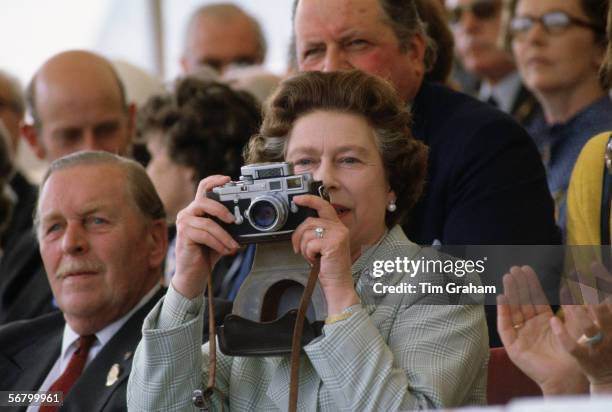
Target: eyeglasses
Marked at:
554, 22
482, 9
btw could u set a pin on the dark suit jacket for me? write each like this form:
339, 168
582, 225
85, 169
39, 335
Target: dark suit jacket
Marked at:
24, 289
486, 182
21, 219
28, 350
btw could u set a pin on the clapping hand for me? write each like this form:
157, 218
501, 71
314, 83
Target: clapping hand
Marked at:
593, 349
524, 324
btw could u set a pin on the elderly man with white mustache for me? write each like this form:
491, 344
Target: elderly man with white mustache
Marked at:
103, 238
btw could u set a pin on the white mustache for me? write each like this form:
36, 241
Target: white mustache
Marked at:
76, 266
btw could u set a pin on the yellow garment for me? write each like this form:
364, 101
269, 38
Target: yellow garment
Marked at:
583, 222
584, 193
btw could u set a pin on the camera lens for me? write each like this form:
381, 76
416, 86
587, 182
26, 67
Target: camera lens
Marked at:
263, 214
267, 213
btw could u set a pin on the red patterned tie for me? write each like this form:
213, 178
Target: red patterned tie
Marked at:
72, 371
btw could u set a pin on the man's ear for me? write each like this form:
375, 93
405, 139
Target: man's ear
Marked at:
31, 134
158, 242
416, 52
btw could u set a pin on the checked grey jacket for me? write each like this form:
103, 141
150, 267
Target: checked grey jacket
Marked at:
394, 353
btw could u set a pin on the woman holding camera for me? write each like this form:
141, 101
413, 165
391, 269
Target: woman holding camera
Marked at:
376, 352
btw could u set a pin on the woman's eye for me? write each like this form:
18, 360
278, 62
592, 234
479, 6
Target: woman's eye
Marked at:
303, 162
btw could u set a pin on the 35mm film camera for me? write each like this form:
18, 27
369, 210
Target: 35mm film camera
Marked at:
262, 204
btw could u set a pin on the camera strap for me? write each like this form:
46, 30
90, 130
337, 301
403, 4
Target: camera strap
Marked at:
296, 342
212, 353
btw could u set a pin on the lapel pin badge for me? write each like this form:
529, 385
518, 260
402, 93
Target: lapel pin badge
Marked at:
113, 375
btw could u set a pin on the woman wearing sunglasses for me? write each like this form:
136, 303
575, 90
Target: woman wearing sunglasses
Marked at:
559, 46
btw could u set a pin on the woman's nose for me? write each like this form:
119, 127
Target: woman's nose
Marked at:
536, 33
326, 174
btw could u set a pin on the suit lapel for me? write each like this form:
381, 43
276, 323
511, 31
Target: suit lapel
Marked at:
27, 368
108, 372
37, 358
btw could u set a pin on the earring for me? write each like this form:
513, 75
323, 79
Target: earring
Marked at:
392, 207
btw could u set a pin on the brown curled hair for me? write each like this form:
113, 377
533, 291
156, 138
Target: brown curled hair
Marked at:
404, 158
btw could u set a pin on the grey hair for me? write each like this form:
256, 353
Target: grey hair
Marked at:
140, 188
403, 18
16, 91
228, 9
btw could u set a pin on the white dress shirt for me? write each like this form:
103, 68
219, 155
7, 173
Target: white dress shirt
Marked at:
503, 92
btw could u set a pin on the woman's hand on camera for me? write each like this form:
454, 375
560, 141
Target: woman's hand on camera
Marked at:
200, 241
333, 246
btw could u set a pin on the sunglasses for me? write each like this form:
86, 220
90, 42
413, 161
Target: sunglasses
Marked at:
482, 9
554, 22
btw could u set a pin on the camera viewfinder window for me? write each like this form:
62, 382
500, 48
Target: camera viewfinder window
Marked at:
268, 173
294, 183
